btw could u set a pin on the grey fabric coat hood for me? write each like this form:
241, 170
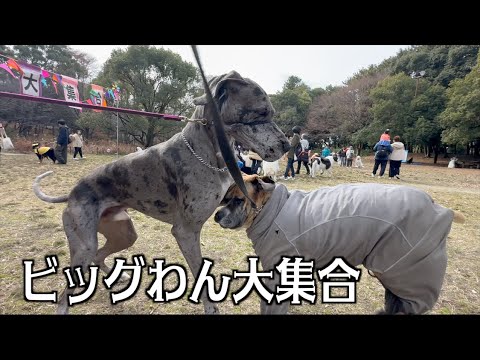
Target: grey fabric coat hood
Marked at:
398, 232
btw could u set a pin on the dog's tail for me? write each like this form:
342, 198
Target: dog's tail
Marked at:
458, 217
43, 196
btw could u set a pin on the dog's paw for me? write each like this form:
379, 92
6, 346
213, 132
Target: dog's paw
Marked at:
211, 309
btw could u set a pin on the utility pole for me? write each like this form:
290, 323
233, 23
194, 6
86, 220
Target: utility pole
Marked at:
417, 76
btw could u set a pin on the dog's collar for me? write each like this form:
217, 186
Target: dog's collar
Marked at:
199, 158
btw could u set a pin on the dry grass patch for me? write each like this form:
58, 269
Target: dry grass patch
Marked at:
32, 229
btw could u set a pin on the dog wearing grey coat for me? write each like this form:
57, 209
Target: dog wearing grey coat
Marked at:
180, 181
403, 245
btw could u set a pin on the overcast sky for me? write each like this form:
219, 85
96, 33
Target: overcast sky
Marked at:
271, 65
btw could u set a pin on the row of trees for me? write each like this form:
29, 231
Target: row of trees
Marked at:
431, 112
152, 79
439, 109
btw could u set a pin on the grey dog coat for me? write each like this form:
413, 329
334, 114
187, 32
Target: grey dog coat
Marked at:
398, 232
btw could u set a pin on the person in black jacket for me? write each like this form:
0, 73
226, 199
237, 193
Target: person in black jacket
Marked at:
62, 143
382, 150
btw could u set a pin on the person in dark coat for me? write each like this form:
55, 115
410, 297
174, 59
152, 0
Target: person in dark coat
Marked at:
62, 143
382, 150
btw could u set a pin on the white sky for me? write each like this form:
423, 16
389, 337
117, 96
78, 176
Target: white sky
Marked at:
271, 65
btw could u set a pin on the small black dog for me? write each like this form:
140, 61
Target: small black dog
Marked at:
44, 152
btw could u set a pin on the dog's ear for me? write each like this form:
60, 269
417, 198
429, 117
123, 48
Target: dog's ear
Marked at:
218, 86
267, 179
262, 185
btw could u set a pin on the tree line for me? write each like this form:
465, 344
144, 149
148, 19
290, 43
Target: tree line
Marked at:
427, 94
430, 111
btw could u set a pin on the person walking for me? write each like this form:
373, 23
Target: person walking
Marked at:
382, 150
396, 157
77, 143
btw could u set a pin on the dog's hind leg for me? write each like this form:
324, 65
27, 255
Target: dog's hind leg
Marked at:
395, 305
189, 242
118, 229
83, 246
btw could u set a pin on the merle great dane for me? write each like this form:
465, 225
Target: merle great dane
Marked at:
177, 181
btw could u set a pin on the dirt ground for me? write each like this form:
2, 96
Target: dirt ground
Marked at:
31, 229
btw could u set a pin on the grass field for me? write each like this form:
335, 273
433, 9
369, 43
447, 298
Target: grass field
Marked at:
32, 229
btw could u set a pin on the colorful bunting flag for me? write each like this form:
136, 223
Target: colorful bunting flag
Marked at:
7, 69
32, 76
14, 66
97, 93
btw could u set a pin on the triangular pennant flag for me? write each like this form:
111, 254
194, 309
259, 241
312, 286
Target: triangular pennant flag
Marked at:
7, 69
14, 66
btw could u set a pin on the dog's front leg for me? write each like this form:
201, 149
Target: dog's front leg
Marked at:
189, 242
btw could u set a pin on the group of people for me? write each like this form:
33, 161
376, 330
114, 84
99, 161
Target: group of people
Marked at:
346, 156
384, 151
64, 138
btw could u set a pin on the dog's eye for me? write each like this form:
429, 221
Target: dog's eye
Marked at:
237, 201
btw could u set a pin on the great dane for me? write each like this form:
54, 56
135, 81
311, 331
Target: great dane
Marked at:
180, 181
404, 246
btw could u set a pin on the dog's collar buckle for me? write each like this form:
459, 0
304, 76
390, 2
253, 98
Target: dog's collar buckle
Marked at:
201, 121
258, 209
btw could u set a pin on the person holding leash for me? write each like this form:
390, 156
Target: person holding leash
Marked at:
62, 143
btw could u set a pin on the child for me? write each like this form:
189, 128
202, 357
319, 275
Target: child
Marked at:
43, 152
385, 136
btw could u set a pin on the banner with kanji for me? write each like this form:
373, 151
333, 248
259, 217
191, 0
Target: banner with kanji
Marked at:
30, 79
70, 88
97, 96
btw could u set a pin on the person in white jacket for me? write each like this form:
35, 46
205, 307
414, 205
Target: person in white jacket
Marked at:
77, 143
396, 158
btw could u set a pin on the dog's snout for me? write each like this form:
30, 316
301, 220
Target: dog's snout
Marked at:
286, 146
218, 216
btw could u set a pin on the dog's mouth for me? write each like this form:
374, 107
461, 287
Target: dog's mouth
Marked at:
229, 223
232, 216
263, 137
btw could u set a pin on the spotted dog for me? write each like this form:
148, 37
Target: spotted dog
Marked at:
179, 182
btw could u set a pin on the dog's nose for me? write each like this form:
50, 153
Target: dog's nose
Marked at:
286, 146
218, 216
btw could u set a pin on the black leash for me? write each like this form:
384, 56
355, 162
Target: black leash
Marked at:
221, 135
